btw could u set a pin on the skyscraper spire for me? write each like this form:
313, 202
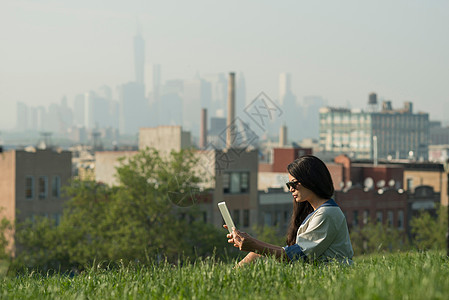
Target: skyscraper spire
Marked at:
139, 56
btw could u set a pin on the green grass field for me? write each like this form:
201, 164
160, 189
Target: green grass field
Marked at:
409, 275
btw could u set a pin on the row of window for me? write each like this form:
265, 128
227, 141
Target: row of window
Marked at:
235, 182
276, 218
236, 217
42, 187
56, 217
390, 218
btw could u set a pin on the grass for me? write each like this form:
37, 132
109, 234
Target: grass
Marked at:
410, 275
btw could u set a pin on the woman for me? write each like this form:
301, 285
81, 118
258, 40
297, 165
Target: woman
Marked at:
318, 229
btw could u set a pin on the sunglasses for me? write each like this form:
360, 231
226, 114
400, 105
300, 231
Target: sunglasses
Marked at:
292, 184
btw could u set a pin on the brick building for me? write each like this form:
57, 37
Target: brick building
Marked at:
387, 206
31, 182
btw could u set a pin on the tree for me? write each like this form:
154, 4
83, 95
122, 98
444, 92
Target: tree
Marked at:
5, 229
429, 232
377, 237
136, 221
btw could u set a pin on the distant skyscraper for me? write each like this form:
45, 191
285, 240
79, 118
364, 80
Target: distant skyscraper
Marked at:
53, 118
32, 120
157, 81
196, 94
284, 86
41, 118
310, 116
139, 58
97, 111
170, 106
133, 108
66, 115
22, 116
219, 91
291, 110
78, 110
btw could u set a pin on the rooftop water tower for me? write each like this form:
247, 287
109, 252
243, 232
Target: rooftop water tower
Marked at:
372, 102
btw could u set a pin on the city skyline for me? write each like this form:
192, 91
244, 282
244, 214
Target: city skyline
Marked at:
340, 52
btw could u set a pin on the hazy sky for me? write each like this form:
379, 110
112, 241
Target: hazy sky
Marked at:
340, 50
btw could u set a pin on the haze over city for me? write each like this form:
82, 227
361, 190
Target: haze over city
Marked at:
340, 51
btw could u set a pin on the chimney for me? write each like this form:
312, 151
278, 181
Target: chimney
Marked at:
203, 133
230, 134
283, 136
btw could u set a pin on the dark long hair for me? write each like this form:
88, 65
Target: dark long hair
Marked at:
313, 174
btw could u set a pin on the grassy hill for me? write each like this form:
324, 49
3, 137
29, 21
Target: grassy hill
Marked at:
409, 275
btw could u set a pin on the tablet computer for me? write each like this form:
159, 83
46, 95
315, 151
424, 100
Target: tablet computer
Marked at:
226, 215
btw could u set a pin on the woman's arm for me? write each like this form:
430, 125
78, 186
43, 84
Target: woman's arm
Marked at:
251, 257
245, 242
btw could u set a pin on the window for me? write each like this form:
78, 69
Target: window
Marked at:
365, 216
226, 183
401, 219
236, 217
379, 216
29, 187
355, 219
42, 187
267, 219
56, 187
236, 182
286, 216
409, 184
246, 218
277, 218
57, 218
390, 218
244, 182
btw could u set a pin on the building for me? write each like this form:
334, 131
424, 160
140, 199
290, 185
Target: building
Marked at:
386, 206
427, 174
232, 176
139, 59
439, 135
165, 138
385, 134
275, 208
347, 173
31, 182
106, 163
402, 174
133, 108
439, 153
162, 138
274, 174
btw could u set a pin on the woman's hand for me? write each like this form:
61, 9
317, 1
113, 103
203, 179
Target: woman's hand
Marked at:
240, 239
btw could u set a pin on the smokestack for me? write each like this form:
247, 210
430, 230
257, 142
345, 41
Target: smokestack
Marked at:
231, 110
203, 133
283, 136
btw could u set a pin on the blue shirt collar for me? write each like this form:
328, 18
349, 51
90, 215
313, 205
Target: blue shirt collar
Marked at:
328, 203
